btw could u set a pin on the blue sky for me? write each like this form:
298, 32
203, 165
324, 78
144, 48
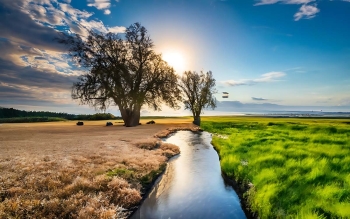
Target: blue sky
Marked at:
285, 52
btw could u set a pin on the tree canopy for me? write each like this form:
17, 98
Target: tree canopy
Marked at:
198, 89
122, 71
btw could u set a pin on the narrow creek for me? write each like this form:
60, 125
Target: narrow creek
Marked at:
192, 185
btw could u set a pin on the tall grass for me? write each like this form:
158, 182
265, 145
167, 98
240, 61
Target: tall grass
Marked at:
299, 168
98, 185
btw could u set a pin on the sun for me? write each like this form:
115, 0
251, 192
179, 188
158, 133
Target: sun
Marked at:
175, 60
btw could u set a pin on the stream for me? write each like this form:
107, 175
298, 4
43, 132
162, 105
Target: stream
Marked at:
192, 185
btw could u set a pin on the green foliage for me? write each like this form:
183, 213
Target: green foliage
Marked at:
299, 167
198, 90
97, 116
10, 115
151, 176
131, 175
13, 113
122, 71
123, 173
30, 119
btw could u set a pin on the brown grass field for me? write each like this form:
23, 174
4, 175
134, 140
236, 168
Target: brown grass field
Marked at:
60, 170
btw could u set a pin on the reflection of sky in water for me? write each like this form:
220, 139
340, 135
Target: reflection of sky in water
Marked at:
192, 186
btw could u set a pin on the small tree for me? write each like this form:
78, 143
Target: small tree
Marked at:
124, 72
198, 92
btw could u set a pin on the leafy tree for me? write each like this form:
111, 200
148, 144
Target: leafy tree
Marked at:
198, 89
125, 72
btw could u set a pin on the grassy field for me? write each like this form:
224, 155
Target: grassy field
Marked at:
60, 170
296, 168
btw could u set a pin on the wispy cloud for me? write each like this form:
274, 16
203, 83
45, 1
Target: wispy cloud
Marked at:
269, 2
265, 78
259, 99
306, 12
266, 2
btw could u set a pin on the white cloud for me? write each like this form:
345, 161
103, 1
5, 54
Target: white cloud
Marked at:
100, 4
74, 14
116, 29
306, 12
76, 20
265, 78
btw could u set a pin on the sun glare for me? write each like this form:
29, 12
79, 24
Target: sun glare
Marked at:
175, 60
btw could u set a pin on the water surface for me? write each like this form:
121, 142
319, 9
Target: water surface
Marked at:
192, 186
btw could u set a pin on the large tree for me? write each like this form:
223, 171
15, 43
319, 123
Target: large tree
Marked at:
198, 89
125, 72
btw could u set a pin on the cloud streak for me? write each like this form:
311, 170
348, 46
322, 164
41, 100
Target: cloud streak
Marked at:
265, 78
269, 2
306, 11
259, 99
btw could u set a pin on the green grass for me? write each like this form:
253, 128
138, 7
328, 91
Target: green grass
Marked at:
132, 176
300, 168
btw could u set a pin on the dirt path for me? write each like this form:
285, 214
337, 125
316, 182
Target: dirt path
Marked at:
67, 139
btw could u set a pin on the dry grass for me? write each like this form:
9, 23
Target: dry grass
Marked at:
166, 132
148, 144
169, 150
165, 149
59, 170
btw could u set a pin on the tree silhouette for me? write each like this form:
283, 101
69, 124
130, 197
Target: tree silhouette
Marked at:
125, 72
198, 89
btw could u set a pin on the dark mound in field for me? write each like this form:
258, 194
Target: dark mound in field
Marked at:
80, 123
151, 122
109, 123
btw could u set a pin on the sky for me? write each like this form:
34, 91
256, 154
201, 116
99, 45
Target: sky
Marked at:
286, 52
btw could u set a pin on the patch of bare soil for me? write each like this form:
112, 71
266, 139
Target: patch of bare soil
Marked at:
60, 170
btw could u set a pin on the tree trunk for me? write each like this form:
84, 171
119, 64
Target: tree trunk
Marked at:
197, 120
131, 117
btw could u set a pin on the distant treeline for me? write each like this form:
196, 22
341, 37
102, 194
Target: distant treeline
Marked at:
30, 119
14, 115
